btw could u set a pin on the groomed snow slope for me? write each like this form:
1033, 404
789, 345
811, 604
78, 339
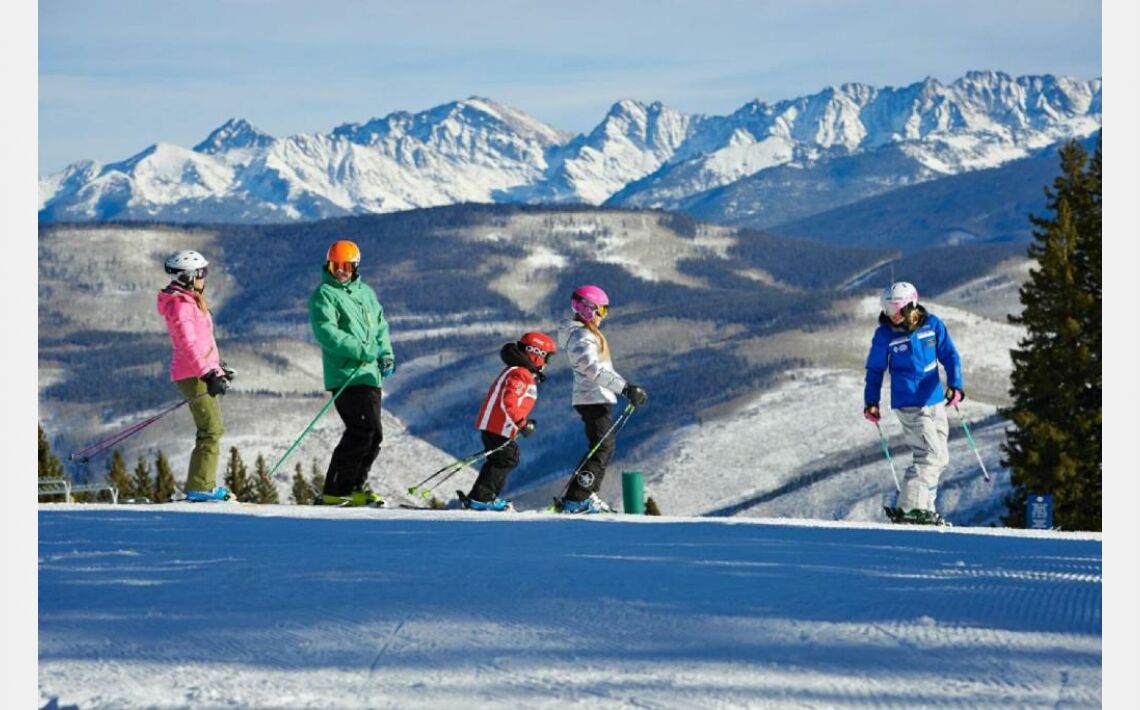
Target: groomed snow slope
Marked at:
227, 605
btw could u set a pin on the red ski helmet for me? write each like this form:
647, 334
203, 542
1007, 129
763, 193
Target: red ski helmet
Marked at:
588, 301
538, 347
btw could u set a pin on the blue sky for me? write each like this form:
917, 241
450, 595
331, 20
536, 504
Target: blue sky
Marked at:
118, 75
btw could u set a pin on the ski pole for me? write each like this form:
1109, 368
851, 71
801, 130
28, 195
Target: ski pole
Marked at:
974, 446
453, 468
457, 464
310, 426
84, 455
457, 469
887, 452
614, 429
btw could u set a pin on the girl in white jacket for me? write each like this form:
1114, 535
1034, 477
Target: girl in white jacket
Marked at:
596, 386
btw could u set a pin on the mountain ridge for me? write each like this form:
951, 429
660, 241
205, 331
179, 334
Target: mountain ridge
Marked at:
639, 155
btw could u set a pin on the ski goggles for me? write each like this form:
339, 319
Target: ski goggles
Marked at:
601, 311
347, 267
903, 308
539, 351
201, 273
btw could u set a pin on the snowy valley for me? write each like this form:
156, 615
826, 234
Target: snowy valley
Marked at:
753, 365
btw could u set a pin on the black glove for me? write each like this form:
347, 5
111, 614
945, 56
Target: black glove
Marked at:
216, 384
636, 395
227, 372
872, 414
528, 428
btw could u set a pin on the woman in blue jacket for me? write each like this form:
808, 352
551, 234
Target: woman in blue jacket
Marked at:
911, 342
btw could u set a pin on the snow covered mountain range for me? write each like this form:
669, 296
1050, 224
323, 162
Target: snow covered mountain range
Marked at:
848, 143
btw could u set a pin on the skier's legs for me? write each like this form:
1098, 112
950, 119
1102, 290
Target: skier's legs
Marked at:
925, 430
207, 413
493, 476
359, 409
597, 420
373, 450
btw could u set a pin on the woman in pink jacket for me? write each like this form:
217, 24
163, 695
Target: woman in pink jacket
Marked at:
196, 368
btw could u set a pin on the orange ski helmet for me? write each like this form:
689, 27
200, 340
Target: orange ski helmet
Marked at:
342, 252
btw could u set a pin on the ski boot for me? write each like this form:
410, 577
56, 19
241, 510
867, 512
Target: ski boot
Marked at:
914, 517
220, 493
498, 504
589, 506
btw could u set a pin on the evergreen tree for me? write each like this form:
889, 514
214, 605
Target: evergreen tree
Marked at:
49, 464
302, 493
317, 479
1055, 447
141, 485
265, 491
237, 478
117, 474
163, 479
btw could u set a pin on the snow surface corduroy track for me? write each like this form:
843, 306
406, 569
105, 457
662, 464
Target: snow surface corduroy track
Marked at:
287, 606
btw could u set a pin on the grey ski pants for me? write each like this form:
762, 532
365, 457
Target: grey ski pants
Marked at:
925, 430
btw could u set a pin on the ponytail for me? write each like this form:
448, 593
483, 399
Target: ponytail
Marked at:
603, 346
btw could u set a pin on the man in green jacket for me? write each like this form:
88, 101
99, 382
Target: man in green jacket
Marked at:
349, 324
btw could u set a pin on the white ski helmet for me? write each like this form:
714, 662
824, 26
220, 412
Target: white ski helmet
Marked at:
896, 297
186, 265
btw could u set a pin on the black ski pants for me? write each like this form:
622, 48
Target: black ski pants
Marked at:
597, 419
359, 409
493, 476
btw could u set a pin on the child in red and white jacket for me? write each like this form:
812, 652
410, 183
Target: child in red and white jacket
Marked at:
503, 416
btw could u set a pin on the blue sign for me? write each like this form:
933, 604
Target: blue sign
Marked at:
1039, 512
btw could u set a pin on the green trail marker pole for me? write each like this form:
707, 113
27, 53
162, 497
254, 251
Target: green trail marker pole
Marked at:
633, 492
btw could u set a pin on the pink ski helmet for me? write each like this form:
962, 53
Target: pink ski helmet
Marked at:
588, 301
